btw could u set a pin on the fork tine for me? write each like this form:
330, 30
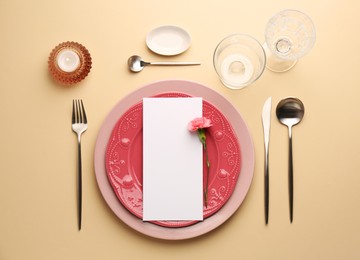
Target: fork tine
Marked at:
73, 112
79, 112
76, 112
83, 112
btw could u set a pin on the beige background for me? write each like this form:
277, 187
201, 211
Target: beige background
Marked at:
38, 148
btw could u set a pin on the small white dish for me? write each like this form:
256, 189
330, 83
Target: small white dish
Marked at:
168, 40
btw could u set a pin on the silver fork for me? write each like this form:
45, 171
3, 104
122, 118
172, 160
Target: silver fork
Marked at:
79, 126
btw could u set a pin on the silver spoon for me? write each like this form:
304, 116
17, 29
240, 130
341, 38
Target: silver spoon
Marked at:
136, 64
290, 111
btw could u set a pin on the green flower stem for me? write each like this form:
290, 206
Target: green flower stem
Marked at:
207, 176
202, 137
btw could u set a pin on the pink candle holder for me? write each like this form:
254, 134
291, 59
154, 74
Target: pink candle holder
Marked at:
69, 63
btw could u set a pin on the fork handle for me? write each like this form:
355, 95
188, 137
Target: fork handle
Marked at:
79, 184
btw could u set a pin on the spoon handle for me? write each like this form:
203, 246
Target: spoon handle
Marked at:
174, 63
291, 179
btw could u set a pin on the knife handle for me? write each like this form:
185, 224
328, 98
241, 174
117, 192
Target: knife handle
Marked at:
266, 184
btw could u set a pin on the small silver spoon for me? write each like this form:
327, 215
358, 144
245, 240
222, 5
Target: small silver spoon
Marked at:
290, 112
136, 64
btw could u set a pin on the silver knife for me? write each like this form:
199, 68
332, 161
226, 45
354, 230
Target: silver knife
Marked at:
266, 116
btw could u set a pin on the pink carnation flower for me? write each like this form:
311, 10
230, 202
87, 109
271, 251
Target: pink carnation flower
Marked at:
199, 123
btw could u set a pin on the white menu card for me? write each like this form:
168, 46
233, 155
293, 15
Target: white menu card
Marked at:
172, 160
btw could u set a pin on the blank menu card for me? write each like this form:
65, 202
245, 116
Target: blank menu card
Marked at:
172, 160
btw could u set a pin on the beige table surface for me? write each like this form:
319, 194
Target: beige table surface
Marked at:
38, 149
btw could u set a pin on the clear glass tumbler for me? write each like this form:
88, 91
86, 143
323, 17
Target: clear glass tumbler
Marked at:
239, 60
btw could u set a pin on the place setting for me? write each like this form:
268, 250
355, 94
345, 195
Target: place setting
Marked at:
231, 164
175, 159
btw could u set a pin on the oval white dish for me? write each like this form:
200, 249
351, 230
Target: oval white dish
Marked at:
168, 40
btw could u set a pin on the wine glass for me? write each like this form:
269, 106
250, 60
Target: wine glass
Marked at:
289, 35
239, 60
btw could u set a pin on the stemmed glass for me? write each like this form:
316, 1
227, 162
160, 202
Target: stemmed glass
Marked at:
289, 35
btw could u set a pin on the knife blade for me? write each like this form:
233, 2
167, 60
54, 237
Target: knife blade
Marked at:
266, 122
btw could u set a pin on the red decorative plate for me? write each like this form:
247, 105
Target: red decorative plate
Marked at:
124, 160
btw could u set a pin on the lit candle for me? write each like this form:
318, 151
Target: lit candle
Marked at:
68, 60
69, 63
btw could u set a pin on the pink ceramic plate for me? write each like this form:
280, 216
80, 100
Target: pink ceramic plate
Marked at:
246, 151
124, 160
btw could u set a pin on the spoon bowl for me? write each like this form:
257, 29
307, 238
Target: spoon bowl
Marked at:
136, 64
290, 112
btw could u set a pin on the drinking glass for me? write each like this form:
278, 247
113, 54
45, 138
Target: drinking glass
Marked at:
289, 35
239, 60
